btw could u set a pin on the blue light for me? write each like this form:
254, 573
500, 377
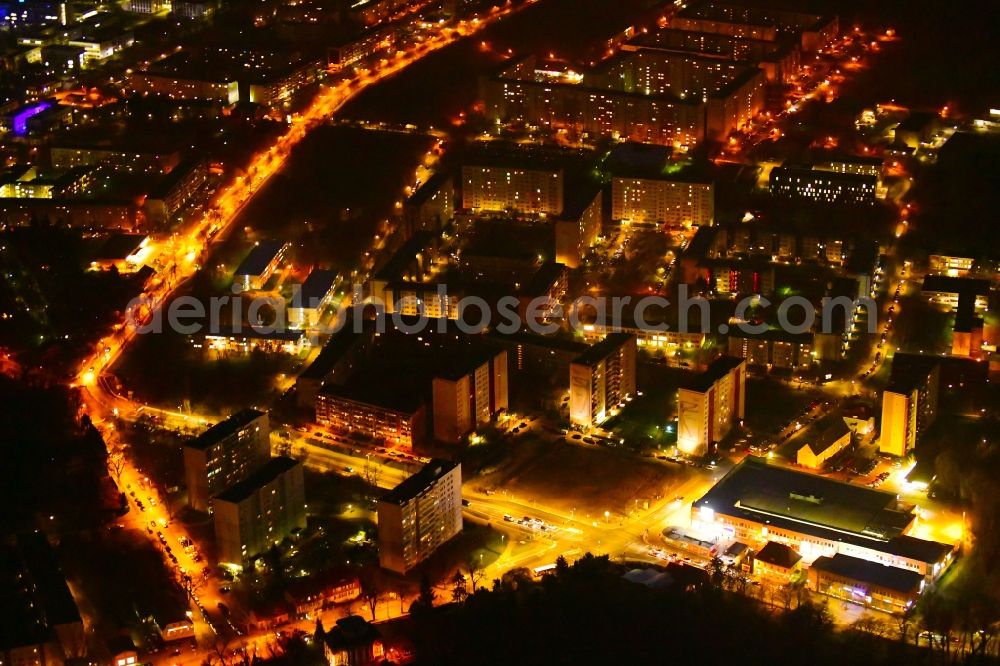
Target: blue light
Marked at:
21, 118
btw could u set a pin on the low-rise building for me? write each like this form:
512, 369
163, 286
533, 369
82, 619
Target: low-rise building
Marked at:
123, 652
758, 21
411, 263
757, 502
125, 253
175, 627
866, 583
353, 642
942, 264
776, 563
307, 596
311, 298
192, 9
419, 515
353, 49
246, 339
949, 292
260, 511
543, 291
25, 183
228, 75
822, 441
257, 268
101, 42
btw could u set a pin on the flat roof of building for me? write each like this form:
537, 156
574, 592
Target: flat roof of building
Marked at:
635, 156
387, 397
870, 573
692, 40
599, 351
260, 257
910, 371
316, 287
339, 344
916, 121
222, 64
807, 503
419, 242
419, 482
553, 342
543, 279
791, 170
465, 360
653, 162
176, 176
921, 550
716, 370
120, 246
966, 319
49, 581
700, 243
429, 188
923, 471
956, 285
579, 194
778, 554
869, 160
731, 12
223, 429
771, 334
515, 161
23, 621
267, 473
256, 333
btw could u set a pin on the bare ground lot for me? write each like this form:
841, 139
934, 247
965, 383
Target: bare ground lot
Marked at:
587, 479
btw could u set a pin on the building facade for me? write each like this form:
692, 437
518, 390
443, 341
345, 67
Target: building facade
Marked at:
175, 190
602, 379
529, 191
419, 515
259, 265
260, 511
469, 396
345, 411
773, 349
710, 404
823, 186
648, 201
225, 454
909, 404
757, 502
866, 583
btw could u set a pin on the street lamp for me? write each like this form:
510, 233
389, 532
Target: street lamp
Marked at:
607, 516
